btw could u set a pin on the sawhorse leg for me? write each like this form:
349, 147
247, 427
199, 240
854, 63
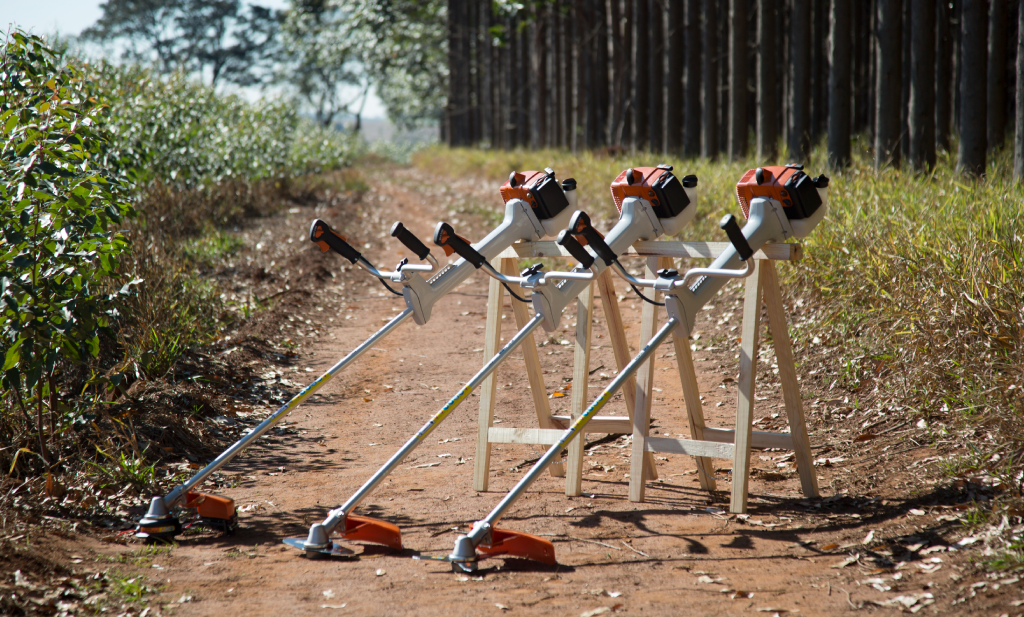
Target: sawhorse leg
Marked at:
787, 375
620, 347
745, 397
644, 386
580, 377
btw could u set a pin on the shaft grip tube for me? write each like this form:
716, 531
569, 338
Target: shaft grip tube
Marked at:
739, 241
445, 237
328, 239
580, 225
410, 241
566, 240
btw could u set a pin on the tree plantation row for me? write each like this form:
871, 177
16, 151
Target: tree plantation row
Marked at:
717, 77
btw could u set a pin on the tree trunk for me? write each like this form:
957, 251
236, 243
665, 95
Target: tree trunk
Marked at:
454, 73
628, 76
656, 54
525, 81
641, 78
767, 82
676, 21
922, 86
996, 115
710, 112
487, 77
542, 58
1019, 135
511, 101
887, 102
723, 77
692, 116
973, 32
562, 53
619, 81
800, 67
943, 76
906, 30
601, 66
840, 47
738, 79
475, 68
819, 69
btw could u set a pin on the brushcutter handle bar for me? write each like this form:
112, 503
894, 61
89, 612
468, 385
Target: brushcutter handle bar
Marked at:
330, 240
566, 240
580, 225
446, 238
410, 241
739, 241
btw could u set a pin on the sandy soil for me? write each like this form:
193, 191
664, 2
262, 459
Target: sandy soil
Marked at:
878, 539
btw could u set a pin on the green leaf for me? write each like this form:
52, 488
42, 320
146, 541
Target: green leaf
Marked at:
13, 355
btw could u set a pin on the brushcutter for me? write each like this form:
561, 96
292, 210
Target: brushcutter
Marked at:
768, 219
638, 221
535, 206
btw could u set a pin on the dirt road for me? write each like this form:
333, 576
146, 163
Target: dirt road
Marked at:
880, 537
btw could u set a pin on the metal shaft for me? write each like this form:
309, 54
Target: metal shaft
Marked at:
337, 516
267, 424
576, 428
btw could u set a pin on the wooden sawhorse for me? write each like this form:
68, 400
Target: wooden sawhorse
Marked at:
706, 443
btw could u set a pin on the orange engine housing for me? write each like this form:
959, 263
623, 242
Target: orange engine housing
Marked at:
788, 185
641, 186
658, 185
537, 188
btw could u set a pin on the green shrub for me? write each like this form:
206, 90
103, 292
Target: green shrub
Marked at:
63, 192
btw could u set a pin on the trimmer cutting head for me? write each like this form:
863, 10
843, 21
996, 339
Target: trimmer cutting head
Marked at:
501, 543
357, 528
214, 511
159, 525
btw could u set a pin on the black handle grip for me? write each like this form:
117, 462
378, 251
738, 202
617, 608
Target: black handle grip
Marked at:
445, 237
739, 241
580, 225
328, 239
410, 241
566, 240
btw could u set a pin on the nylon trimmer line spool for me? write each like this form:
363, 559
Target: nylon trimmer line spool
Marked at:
536, 206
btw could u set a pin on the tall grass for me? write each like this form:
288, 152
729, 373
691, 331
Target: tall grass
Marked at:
914, 280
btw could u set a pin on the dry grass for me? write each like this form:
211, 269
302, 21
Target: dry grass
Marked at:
915, 284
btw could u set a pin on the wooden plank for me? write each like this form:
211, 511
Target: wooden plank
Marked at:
644, 386
536, 436
745, 397
600, 424
703, 449
492, 342
694, 407
780, 251
620, 348
538, 391
787, 375
758, 439
580, 377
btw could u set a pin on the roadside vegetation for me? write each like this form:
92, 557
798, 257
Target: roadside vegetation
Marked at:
914, 288
118, 186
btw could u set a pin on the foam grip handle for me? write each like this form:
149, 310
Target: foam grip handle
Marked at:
445, 237
581, 226
566, 240
328, 239
410, 241
739, 241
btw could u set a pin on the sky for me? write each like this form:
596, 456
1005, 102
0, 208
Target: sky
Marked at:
70, 17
